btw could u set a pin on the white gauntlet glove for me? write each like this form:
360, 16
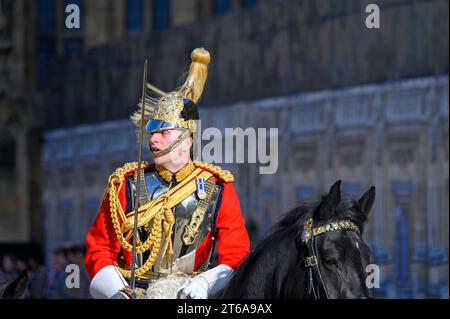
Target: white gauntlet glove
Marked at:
206, 284
106, 284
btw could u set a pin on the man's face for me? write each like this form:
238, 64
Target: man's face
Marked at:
162, 139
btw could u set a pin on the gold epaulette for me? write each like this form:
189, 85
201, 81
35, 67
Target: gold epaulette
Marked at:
129, 167
118, 175
223, 174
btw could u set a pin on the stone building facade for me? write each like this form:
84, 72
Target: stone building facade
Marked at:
273, 49
20, 221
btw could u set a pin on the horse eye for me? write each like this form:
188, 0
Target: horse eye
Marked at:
331, 262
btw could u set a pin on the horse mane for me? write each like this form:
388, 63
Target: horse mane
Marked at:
289, 228
291, 223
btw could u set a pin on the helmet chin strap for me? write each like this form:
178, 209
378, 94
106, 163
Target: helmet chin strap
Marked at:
172, 146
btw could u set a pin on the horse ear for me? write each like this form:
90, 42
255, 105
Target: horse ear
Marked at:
16, 289
366, 201
329, 205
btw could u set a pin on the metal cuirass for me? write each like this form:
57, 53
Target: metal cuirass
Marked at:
153, 186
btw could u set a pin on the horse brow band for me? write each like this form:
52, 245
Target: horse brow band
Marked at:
310, 231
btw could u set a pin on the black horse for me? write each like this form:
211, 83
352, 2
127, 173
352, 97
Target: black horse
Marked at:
15, 289
315, 251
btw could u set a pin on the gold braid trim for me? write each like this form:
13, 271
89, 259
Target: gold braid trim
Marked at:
224, 174
159, 218
116, 210
176, 195
153, 242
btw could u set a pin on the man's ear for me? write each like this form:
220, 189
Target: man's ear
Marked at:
188, 143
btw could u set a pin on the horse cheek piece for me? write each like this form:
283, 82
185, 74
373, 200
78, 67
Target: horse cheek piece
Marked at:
315, 284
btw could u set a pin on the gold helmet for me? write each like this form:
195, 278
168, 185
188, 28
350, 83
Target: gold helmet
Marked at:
177, 109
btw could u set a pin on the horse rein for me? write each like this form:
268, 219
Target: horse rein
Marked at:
316, 287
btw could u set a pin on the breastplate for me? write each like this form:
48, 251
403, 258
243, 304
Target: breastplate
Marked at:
154, 187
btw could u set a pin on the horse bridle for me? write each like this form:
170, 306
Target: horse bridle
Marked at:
316, 287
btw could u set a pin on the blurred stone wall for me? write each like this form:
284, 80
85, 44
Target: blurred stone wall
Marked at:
275, 48
19, 139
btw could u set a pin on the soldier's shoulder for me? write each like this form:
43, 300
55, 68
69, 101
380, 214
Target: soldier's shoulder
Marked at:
223, 174
129, 168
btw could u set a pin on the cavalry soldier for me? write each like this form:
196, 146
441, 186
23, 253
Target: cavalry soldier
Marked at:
186, 208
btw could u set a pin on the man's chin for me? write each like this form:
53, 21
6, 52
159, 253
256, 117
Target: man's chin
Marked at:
158, 161
166, 159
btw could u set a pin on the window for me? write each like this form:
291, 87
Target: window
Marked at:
46, 16
67, 212
50, 35
90, 208
161, 14
303, 192
222, 6
46, 42
248, 3
72, 46
402, 258
135, 15
46, 51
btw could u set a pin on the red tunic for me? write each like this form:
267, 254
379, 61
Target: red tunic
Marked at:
103, 246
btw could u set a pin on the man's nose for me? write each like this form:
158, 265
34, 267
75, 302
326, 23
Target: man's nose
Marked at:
154, 138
